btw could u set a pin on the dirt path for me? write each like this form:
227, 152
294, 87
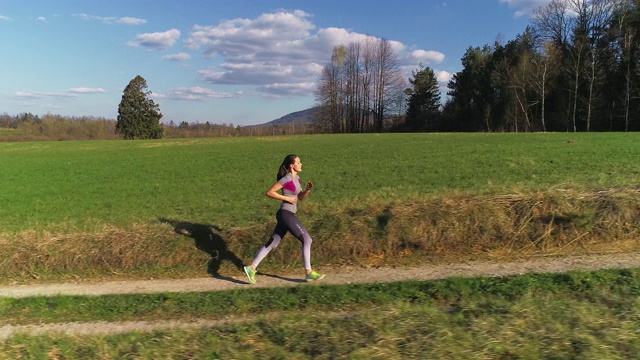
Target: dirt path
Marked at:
344, 275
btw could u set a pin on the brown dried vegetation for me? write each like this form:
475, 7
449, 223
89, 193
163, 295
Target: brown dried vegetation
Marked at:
370, 233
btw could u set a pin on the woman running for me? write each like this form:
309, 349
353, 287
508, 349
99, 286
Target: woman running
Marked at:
289, 182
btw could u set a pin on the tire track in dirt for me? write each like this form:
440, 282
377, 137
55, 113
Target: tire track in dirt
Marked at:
343, 275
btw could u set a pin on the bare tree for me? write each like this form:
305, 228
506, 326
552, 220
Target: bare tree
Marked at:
598, 15
389, 83
359, 85
576, 27
330, 93
367, 77
544, 68
628, 54
519, 75
551, 22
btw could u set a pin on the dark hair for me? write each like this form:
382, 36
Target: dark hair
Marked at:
286, 166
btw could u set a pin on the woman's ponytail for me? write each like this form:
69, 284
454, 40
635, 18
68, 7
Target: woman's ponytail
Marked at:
285, 167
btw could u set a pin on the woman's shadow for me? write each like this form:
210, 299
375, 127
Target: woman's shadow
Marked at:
207, 240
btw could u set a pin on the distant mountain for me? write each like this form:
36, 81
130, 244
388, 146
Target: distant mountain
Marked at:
297, 118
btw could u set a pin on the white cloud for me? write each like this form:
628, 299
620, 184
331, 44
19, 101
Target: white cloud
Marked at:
234, 38
177, 57
211, 75
426, 57
442, 76
157, 40
281, 53
27, 95
524, 7
126, 20
85, 16
131, 21
41, 19
83, 90
52, 106
330, 37
279, 90
39, 95
2, 17
195, 93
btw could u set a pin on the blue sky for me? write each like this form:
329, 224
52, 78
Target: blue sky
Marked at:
243, 62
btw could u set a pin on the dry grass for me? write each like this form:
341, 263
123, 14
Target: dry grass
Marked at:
109, 251
559, 221
372, 232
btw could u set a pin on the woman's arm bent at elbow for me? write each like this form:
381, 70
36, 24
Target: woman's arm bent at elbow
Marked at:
303, 194
274, 194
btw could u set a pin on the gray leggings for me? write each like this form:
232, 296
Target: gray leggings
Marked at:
287, 222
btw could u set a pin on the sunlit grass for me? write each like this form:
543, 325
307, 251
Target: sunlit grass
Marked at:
535, 316
83, 184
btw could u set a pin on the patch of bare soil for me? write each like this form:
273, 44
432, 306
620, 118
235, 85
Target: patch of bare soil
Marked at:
342, 275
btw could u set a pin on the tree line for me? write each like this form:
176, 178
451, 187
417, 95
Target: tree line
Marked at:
138, 118
50, 127
30, 127
574, 68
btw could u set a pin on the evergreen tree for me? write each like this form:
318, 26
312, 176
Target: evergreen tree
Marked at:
423, 103
467, 106
138, 116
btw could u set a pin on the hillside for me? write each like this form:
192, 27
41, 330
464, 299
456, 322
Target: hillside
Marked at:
296, 118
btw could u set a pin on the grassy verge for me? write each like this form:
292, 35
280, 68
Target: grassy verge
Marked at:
519, 317
370, 232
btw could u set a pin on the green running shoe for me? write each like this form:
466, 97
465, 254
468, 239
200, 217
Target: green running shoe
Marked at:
251, 274
313, 276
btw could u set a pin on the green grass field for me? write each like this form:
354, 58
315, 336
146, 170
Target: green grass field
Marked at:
71, 186
518, 317
93, 210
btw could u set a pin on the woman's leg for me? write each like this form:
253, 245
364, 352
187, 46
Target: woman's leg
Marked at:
278, 233
298, 230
